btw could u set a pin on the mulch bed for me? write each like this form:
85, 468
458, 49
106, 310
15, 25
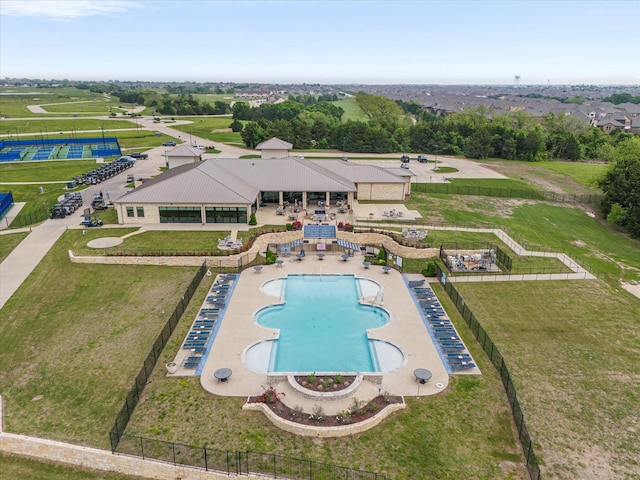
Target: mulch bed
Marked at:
324, 383
355, 414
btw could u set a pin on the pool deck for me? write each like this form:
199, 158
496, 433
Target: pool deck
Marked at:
238, 331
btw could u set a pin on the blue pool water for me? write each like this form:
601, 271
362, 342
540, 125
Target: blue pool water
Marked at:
322, 326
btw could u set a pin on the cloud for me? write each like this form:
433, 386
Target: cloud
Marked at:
64, 9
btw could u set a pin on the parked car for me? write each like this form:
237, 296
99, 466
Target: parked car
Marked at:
422, 158
169, 144
405, 159
139, 155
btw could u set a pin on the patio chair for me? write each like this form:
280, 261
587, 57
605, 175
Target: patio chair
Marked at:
463, 365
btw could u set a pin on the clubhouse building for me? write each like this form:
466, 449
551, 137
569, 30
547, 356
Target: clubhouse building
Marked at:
228, 190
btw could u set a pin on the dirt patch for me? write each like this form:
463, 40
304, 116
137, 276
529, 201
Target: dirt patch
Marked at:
579, 243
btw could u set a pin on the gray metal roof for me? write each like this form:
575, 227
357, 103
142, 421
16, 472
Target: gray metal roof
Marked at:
358, 173
184, 151
239, 181
274, 144
193, 183
283, 174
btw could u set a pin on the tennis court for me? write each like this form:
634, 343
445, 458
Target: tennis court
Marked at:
58, 149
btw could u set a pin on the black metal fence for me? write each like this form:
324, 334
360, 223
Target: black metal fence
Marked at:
502, 259
498, 362
548, 196
122, 419
26, 219
239, 462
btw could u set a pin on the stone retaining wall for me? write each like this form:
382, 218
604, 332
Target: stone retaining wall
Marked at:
325, 432
260, 244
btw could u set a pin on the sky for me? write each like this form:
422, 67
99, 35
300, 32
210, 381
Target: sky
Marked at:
323, 41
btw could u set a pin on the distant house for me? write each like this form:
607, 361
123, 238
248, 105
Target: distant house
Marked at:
274, 148
610, 124
182, 155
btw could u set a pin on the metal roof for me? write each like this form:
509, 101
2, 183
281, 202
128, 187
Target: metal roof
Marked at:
184, 151
358, 173
274, 144
239, 181
193, 183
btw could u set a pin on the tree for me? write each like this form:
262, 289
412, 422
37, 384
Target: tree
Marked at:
241, 111
253, 134
621, 185
381, 110
236, 126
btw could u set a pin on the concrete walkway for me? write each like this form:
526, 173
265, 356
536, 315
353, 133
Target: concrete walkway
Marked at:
15, 269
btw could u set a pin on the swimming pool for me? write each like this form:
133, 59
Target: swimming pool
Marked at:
323, 327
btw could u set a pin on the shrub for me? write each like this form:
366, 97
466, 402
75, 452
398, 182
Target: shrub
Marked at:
270, 396
252, 219
382, 256
317, 415
430, 270
288, 226
338, 379
270, 257
311, 377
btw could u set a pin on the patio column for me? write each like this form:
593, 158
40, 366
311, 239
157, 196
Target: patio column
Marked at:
280, 198
350, 198
328, 199
304, 200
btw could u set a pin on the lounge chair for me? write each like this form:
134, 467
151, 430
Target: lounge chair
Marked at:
453, 349
451, 338
463, 365
416, 283
191, 364
458, 356
194, 345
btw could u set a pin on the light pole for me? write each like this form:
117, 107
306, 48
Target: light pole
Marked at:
435, 157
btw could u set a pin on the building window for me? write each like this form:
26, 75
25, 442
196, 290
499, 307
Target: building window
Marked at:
140, 211
130, 212
180, 214
226, 214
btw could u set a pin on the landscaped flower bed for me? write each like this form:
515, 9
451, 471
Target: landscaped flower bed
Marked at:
357, 412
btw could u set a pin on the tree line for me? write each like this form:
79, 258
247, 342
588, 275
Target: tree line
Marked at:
397, 126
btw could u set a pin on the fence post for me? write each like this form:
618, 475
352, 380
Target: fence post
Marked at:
142, 447
206, 463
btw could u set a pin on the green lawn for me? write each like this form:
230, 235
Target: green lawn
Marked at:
573, 351
69, 354
204, 128
52, 128
351, 109
8, 242
14, 467
16, 105
581, 172
48, 171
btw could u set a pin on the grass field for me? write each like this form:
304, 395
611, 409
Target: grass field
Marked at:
52, 128
14, 467
204, 128
573, 350
69, 354
66, 369
15, 105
